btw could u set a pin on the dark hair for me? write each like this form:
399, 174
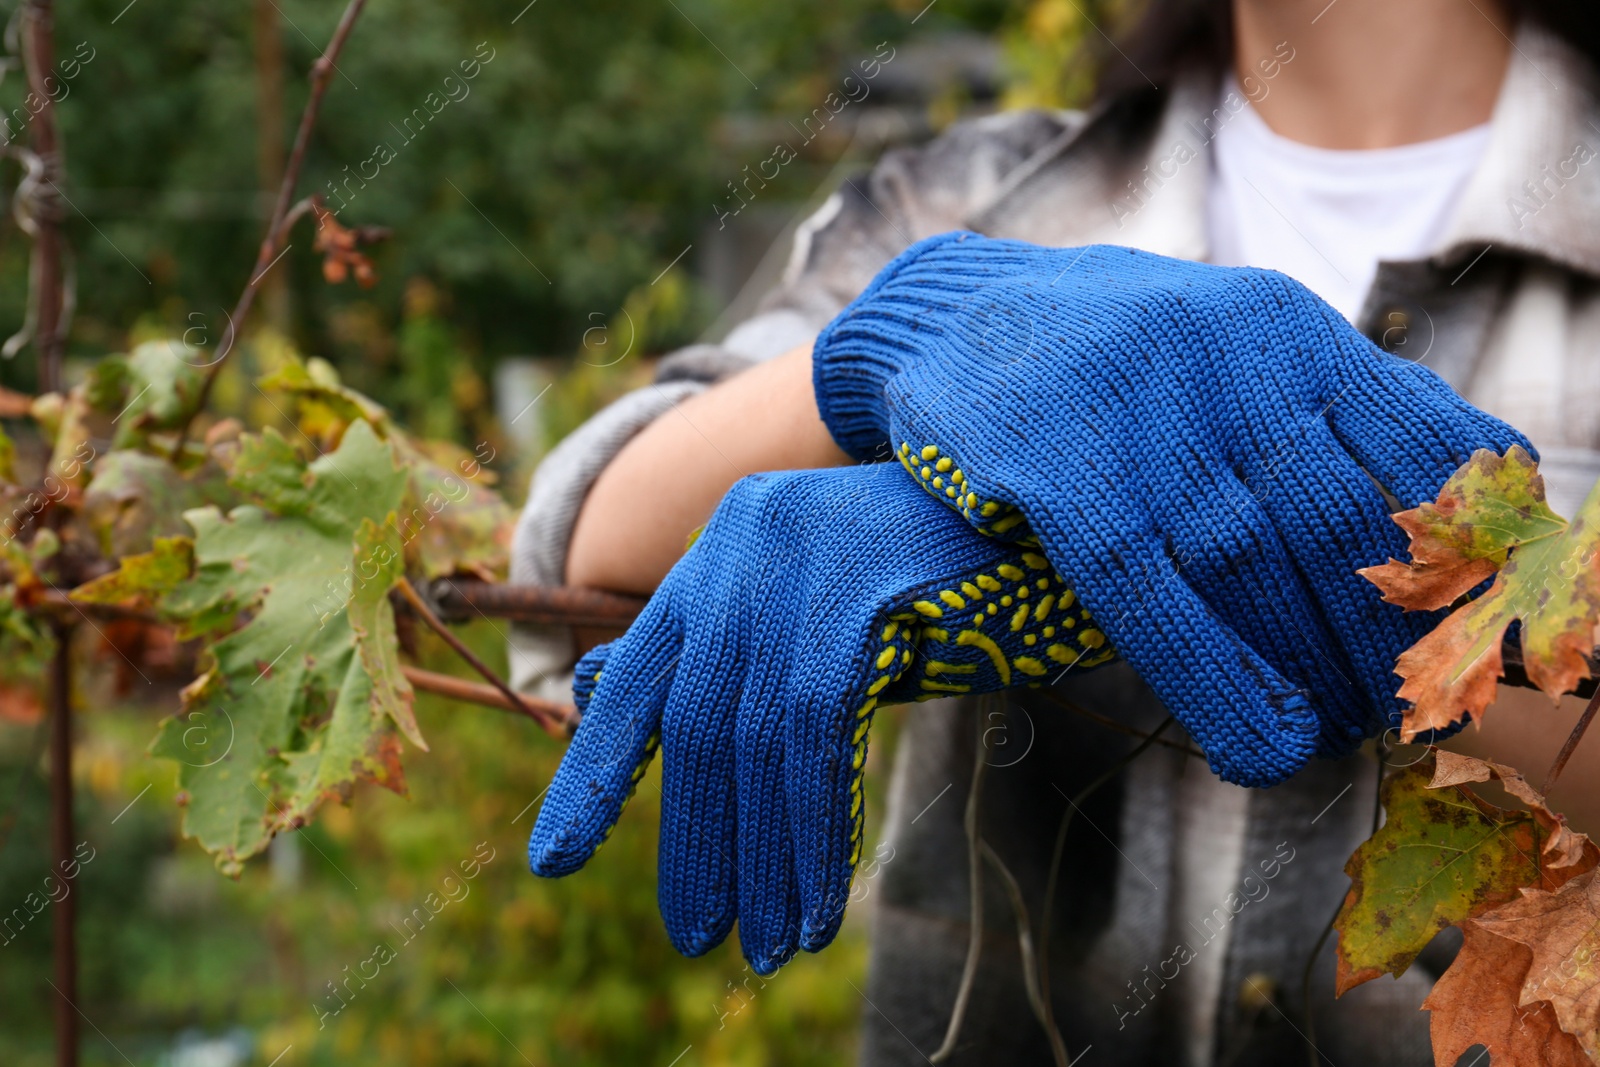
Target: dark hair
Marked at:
1168, 37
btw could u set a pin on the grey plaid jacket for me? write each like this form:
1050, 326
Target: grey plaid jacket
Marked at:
1188, 910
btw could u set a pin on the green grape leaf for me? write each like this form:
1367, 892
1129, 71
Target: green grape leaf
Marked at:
1444, 855
327, 405
154, 387
168, 373
144, 580
380, 565
299, 703
106, 385
26, 642
65, 421
452, 521
134, 498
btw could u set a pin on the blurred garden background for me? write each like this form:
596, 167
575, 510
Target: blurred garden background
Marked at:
557, 220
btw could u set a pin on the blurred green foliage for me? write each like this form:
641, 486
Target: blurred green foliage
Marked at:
575, 971
585, 155
1051, 49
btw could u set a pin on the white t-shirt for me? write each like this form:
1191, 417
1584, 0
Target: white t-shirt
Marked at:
1324, 216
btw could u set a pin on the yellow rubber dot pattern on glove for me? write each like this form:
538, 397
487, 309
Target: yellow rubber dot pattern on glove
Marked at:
948, 642
940, 476
899, 637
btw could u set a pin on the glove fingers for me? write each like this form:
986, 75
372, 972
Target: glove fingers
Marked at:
769, 905
612, 747
1336, 522
697, 864
1229, 551
1256, 726
586, 675
1410, 430
826, 758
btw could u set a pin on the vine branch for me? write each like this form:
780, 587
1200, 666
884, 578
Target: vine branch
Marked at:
969, 969
284, 212
546, 718
1571, 743
57, 606
49, 252
48, 290
486, 695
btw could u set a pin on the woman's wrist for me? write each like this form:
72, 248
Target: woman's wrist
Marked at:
667, 480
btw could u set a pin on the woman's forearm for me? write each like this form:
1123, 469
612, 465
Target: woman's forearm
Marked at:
667, 481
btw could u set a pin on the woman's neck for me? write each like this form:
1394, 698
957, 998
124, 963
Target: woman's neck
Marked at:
1373, 73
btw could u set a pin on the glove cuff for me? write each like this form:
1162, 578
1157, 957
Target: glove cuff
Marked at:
859, 351
896, 321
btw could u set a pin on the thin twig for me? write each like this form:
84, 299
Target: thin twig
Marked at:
969, 970
282, 215
1025, 946
1312, 1052
1122, 728
1571, 743
488, 696
551, 724
1051, 1030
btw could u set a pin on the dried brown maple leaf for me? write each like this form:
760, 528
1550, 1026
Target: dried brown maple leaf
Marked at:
1442, 855
1562, 933
1492, 511
1480, 999
1477, 1002
1564, 847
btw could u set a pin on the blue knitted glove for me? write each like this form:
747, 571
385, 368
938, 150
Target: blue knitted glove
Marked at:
811, 598
1198, 449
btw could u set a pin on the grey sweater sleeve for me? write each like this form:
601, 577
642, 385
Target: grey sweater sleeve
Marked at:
910, 194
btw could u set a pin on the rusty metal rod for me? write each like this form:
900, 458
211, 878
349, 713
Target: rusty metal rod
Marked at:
465, 600
462, 600
1514, 674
